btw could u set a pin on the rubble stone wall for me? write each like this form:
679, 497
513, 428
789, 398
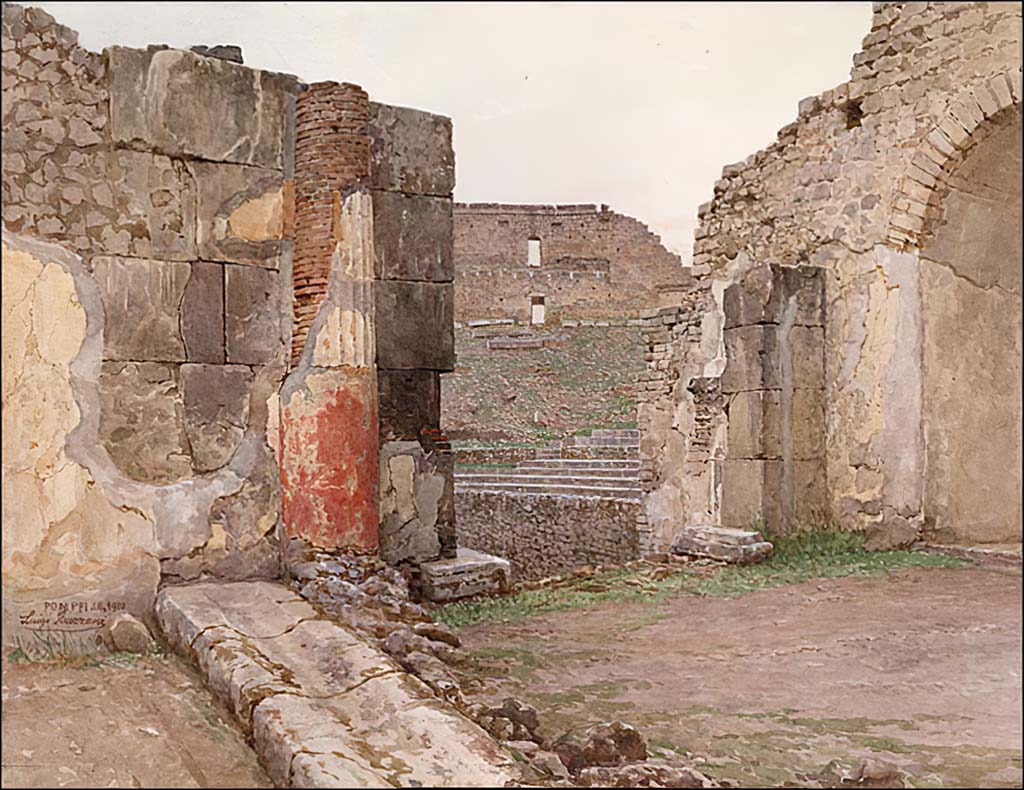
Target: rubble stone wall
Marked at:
855, 186
146, 262
594, 262
548, 535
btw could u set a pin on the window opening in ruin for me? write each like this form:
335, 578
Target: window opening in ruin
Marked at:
853, 114
536, 309
533, 252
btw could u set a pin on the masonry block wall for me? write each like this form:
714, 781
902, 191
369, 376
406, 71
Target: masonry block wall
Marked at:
162, 420
412, 178
594, 262
146, 263
858, 186
774, 468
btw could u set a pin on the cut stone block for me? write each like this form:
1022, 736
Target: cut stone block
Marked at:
141, 421
410, 400
412, 237
412, 487
756, 429
751, 491
240, 213
765, 294
252, 318
216, 401
324, 708
140, 302
730, 545
411, 151
202, 314
182, 104
415, 325
752, 361
154, 200
469, 573
754, 357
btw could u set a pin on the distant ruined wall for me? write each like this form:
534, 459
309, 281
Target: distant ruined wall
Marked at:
548, 535
160, 414
856, 187
594, 262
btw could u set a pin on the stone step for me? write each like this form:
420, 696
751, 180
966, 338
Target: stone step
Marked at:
605, 441
323, 707
630, 473
573, 480
582, 463
626, 433
550, 490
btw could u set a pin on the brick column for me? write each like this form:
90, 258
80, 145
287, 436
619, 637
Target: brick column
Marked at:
329, 423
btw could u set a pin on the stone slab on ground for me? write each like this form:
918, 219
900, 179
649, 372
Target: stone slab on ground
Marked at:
469, 573
719, 543
325, 709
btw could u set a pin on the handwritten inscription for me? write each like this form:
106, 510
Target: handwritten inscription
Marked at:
70, 616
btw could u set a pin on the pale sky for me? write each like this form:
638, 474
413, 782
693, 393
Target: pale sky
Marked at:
637, 105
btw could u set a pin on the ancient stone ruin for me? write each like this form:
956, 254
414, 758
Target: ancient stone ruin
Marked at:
230, 297
851, 349
542, 402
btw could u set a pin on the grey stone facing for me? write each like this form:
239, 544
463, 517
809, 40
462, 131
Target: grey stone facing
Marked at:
412, 237
237, 219
763, 295
141, 299
409, 401
202, 314
415, 325
252, 307
183, 104
411, 151
141, 421
216, 401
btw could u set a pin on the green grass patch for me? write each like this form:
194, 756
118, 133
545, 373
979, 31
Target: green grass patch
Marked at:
812, 554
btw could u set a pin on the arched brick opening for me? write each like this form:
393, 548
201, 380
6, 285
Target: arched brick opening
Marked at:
918, 197
970, 268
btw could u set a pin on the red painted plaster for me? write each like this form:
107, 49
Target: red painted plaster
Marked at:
329, 473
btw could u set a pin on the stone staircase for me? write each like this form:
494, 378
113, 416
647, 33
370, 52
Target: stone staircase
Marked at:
554, 472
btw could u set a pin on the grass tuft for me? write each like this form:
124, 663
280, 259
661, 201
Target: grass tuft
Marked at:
821, 553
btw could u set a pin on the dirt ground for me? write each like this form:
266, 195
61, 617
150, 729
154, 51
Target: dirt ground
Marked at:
921, 668
145, 722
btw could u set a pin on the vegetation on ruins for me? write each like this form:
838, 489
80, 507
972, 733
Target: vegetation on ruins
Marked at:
819, 553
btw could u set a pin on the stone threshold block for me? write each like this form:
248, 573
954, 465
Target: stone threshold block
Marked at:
323, 707
730, 545
469, 573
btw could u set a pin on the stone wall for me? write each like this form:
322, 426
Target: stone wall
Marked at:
145, 266
773, 474
548, 535
155, 395
856, 186
594, 262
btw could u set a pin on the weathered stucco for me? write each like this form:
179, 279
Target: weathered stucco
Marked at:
971, 286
